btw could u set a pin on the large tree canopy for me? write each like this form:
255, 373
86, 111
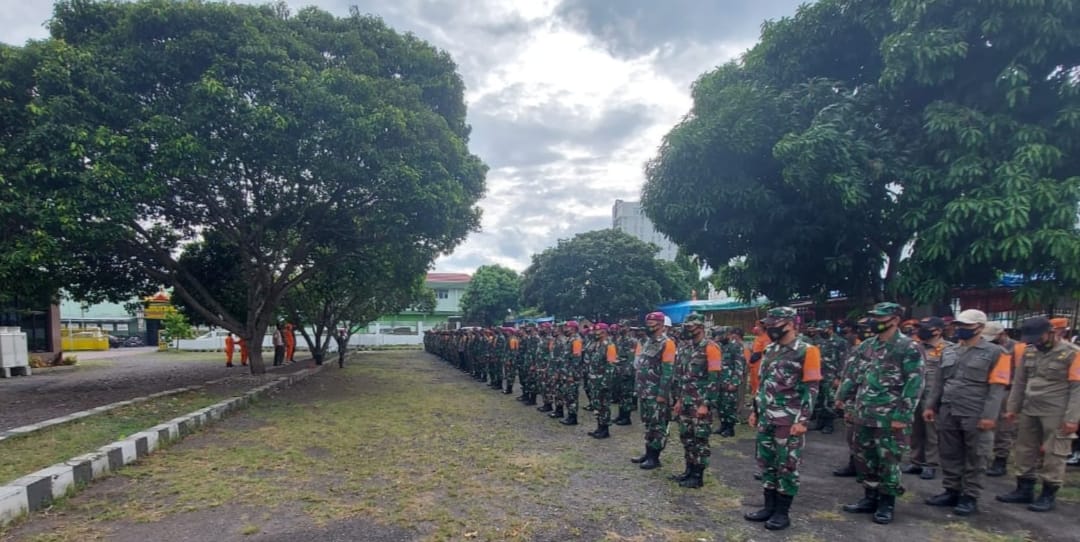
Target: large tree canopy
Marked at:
492, 291
604, 274
856, 132
298, 140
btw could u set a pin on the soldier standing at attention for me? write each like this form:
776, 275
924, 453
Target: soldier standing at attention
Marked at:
624, 396
1045, 403
572, 369
695, 387
732, 376
653, 387
1005, 434
543, 367
555, 369
605, 359
965, 403
924, 436
883, 390
832, 359
790, 376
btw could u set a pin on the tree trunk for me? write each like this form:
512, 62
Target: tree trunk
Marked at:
254, 341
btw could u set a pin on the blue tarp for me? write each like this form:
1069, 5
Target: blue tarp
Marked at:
678, 311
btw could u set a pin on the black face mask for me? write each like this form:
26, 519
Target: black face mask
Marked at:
925, 334
881, 327
1044, 346
776, 333
724, 341
965, 334
686, 333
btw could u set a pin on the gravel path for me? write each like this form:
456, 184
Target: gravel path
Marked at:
100, 379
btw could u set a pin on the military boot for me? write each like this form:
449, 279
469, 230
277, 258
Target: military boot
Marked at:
1045, 502
682, 476
652, 461
827, 426
1023, 494
780, 520
997, 468
571, 419
641, 458
846, 471
557, 413
886, 506
695, 478
765, 513
601, 432
546, 407
727, 429
966, 506
508, 390
624, 417
950, 497
866, 505
530, 399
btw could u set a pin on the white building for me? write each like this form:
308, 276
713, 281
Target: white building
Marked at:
627, 216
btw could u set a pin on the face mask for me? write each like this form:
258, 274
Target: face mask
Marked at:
966, 334
925, 334
686, 333
776, 333
1045, 346
724, 341
881, 327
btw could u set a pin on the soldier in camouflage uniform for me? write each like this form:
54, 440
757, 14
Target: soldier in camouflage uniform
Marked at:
654, 387
883, 392
602, 365
496, 359
623, 394
511, 361
790, 375
695, 389
544, 350
556, 369
833, 353
588, 352
530, 344
732, 376
570, 372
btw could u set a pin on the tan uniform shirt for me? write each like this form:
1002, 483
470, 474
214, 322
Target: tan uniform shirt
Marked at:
1048, 383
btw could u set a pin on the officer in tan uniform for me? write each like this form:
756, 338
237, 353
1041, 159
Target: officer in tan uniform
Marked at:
1045, 402
924, 437
1005, 434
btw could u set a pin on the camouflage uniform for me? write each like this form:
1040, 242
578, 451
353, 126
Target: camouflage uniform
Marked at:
586, 376
654, 390
732, 375
571, 370
527, 372
602, 363
555, 372
696, 384
624, 395
545, 349
496, 360
833, 354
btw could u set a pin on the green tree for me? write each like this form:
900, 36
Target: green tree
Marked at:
175, 326
493, 291
300, 137
601, 275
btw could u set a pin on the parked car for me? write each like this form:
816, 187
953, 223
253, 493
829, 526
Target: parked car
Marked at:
134, 341
115, 342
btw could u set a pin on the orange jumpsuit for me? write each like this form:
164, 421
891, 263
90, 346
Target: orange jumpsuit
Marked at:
290, 342
229, 346
243, 352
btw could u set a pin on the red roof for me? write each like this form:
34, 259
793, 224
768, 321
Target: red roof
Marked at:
448, 277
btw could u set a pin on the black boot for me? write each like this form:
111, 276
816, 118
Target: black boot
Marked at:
928, 473
846, 471
571, 419
966, 506
695, 479
780, 520
509, 390
530, 399
681, 476
827, 426
727, 430
1045, 502
546, 407
1023, 494
652, 461
557, 413
886, 505
765, 513
997, 468
601, 432
950, 497
641, 458
866, 505
911, 469
624, 417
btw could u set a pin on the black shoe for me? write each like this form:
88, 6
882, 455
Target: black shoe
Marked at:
997, 468
557, 413
652, 461
696, 478
641, 458
928, 473
590, 408
765, 513
866, 505
545, 408
1023, 494
571, 419
886, 505
727, 430
950, 497
1045, 502
912, 469
966, 506
601, 432
846, 471
827, 427
780, 520
624, 417
681, 476
530, 400
509, 391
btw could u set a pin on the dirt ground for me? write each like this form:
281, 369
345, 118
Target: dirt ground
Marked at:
100, 379
399, 446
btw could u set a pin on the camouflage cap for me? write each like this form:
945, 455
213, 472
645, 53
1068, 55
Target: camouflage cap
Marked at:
694, 319
779, 314
824, 324
886, 309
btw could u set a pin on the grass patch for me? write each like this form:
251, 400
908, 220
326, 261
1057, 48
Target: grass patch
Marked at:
965, 532
26, 454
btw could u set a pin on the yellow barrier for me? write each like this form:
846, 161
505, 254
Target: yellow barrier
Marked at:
83, 339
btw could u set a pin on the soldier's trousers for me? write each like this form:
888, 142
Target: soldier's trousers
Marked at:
624, 394
527, 374
728, 407
570, 391
509, 373
924, 440
495, 371
694, 434
1004, 434
1033, 433
878, 451
965, 451
823, 404
779, 454
655, 416
601, 398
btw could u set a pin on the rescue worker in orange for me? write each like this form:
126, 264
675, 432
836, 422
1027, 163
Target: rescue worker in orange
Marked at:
243, 351
230, 345
290, 343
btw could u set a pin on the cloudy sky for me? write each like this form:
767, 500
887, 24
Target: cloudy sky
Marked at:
567, 98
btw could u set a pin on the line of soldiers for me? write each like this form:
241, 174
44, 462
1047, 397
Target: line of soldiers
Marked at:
894, 383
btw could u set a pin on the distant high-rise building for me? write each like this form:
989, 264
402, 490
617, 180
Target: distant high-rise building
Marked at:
627, 216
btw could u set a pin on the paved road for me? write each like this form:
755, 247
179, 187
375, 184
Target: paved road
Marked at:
100, 379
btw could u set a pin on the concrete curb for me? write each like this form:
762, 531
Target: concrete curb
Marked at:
52, 422
37, 491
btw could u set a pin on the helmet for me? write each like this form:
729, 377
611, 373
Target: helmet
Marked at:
656, 316
887, 309
694, 319
779, 314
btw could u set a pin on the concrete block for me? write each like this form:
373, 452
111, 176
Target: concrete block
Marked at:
82, 469
127, 448
149, 440
13, 503
45, 485
142, 447
62, 477
98, 462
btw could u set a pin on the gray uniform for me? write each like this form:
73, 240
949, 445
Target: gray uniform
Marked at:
1045, 393
969, 388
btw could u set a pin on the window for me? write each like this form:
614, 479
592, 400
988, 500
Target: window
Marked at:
441, 293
